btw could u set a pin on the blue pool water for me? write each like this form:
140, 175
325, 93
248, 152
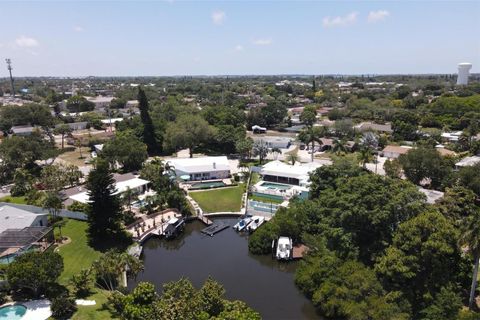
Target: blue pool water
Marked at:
139, 204
278, 186
14, 312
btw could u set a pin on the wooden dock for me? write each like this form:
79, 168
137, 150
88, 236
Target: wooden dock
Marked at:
214, 228
205, 220
299, 251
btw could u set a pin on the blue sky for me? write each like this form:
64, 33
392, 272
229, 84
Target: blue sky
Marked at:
238, 37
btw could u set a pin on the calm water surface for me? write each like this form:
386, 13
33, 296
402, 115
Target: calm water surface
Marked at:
263, 283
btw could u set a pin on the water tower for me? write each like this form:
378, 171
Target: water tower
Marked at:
463, 72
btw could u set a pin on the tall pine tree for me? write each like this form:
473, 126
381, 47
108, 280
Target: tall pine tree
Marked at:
104, 211
149, 137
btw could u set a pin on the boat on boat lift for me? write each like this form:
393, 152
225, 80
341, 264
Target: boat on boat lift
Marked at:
242, 224
256, 222
283, 248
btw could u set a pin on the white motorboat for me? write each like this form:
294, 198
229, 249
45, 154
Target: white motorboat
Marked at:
256, 222
242, 224
284, 248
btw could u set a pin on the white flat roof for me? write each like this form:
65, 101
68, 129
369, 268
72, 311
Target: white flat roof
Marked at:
298, 171
468, 161
113, 120
202, 164
119, 186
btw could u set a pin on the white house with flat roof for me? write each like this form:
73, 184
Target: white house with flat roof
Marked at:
281, 172
203, 168
123, 182
468, 161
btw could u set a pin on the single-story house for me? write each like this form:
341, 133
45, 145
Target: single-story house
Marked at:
258, 129
22, 229
203, 168
275, 141
468, 161
281, 172
432, 195
393, 152
445, 152
123, 182
451, 136
76, 125
13, 217
112, 121
100, 101
24, 130
131, 104
371, 126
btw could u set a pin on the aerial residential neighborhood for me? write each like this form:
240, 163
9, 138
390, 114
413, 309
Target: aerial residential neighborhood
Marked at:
239, 160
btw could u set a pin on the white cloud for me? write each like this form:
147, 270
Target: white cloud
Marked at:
238, 47
26, 42
379, 15
262, 42
344, 21
218, 17
78, 29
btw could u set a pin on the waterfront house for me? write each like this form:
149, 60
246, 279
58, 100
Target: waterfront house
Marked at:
123, 182
203, 168
281, 172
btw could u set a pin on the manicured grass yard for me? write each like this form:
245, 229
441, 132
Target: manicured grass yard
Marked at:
77, 255
220, 200
17, 200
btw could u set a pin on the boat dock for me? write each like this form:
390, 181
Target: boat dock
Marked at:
214, 228
299, 251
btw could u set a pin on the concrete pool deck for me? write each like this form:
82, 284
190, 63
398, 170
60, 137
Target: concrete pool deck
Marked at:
36, 309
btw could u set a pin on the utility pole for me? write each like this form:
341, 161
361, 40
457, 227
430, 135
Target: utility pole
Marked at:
9, 67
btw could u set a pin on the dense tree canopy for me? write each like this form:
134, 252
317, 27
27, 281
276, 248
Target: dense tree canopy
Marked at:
125, 149
33, 272
180, 300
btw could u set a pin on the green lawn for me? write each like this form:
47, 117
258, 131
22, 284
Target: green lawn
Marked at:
17, 200
77, 255
220, 200
96, 312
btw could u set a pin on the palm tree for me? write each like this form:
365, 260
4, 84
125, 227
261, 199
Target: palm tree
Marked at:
365, 156
310, 135
470, 238
339, 146
127, 198
275, 152
111, 269
292, 158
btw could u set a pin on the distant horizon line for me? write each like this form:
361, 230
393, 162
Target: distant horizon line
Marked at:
240, 75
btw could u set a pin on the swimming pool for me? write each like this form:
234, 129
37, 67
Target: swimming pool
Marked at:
278, 186
14, 312
139, 204
207, 185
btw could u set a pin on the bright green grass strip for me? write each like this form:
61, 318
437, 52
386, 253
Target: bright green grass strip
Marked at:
17, 200
77, 254
220, 200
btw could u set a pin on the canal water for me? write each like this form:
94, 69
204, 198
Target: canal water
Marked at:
263, 283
